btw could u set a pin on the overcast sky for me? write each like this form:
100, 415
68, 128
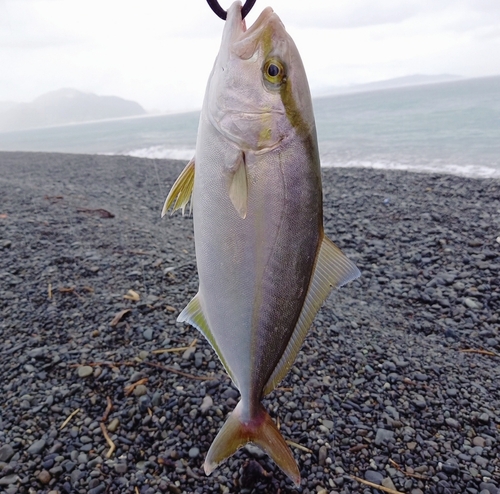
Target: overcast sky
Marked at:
160, 52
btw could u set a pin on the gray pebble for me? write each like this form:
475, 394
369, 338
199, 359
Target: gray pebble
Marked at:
383, 436
206, 403
322, 454
37, 447
121, 468
327, 423
6, 452
374, 477
189, 352
9, 479
194, 452
85, 371
113, 425
452, 423
140, 390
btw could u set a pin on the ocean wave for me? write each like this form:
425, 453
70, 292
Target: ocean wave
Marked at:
464, 170
161, 152
472, 171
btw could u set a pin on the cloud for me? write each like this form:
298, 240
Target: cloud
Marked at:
160, 52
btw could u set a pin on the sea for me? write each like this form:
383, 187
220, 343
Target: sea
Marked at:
449, 127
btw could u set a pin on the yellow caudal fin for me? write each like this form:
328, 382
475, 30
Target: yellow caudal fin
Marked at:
181, 192
261, 431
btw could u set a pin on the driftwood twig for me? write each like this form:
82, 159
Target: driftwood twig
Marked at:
298, 446
111, 444
180, 373
376, 486
408, 474
479, 351
130, 388
109, 407
66, 422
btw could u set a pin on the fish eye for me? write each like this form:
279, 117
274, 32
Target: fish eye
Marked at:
274, 71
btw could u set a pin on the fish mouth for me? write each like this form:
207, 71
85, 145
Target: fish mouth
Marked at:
242, 41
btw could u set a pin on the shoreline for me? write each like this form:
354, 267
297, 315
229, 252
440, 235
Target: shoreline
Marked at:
400, 366
183, 155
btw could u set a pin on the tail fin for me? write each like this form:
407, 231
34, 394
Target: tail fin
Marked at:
261, 431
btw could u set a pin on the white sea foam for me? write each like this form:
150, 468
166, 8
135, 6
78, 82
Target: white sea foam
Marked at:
161, 152
473, 171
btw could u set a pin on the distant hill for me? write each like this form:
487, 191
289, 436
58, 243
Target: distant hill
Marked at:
65, 106
409, 80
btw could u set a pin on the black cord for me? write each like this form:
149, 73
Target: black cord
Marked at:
220, 12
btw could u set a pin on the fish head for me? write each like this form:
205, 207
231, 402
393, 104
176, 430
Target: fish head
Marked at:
258, 94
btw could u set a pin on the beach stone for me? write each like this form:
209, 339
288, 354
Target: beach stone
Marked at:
451, 467
491, 488
471, 303
44, 477
482, 462
254, 451
388, 483
374, 477
157, 398
99, 489
452, 423
383, 436
484, 418
148, 334
419, 402
327, 423
113, 425
479, 441
9, 479
189, 352
85, 371
198, 359
206, 403
37, 447
6, 452
194, 452
322, 454
121, 468
140, 390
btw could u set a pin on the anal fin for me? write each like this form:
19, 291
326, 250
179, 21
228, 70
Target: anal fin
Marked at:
193, 314
332, 270
181, 192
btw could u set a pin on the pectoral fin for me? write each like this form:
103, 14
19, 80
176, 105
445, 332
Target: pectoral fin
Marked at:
181, 192
193, 314
238, 187
332, 270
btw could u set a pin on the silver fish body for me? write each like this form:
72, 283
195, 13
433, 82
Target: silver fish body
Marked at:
265, 266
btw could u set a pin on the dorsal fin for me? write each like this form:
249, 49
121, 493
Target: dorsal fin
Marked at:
332, 270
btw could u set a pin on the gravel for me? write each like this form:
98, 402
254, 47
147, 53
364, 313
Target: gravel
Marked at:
398, 380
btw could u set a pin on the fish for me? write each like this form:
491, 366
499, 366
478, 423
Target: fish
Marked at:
264, 263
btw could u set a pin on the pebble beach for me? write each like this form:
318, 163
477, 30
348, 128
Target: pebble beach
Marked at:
397, 384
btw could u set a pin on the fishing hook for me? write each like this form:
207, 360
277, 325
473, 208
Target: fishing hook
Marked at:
214, 5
